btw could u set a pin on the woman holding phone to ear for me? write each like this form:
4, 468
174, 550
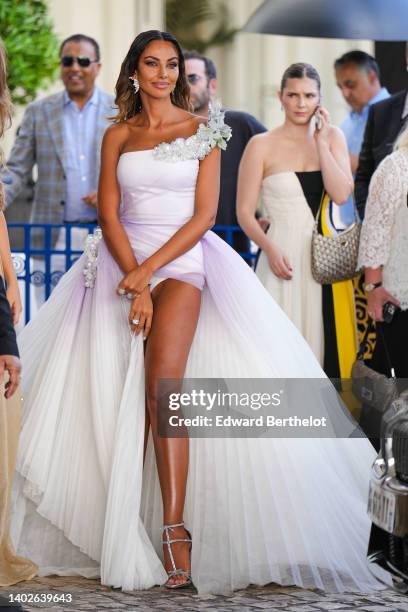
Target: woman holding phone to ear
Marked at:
292, 167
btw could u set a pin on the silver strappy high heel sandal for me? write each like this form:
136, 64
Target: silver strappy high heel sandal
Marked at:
176, 572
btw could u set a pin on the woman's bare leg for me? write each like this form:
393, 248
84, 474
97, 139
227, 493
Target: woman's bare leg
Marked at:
176, 311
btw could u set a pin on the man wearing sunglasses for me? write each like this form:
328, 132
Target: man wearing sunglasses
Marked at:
202, 77
62, 134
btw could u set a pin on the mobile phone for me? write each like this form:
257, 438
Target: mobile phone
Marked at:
389, 310
318, 119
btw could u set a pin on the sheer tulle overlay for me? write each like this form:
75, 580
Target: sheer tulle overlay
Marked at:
290, 511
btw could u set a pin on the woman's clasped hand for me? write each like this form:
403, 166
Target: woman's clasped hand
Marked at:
135, 286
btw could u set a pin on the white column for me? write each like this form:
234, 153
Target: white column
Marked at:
150, 14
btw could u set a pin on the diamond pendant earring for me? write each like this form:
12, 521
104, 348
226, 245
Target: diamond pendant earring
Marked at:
136, 85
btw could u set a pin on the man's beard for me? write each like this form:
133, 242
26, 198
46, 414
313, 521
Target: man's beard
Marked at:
201, 101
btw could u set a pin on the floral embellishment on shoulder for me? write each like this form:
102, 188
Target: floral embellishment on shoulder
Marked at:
214, 133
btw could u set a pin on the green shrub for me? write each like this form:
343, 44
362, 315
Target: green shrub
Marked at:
32, 47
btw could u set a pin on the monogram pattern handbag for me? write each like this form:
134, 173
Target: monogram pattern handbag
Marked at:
334, 258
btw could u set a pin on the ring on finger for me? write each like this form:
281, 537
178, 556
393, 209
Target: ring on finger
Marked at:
130, 296
121, 291
135, 321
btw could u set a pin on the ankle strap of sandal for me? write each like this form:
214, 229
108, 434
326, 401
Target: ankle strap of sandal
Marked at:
166, 530
166, 527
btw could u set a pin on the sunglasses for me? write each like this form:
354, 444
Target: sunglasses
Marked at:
193, 78
68, 60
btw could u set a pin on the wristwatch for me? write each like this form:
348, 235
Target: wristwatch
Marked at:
368, 287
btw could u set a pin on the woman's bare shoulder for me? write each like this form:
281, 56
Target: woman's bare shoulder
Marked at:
263, 141
336, 134
194, 120
186, 123
122, 127
197, 118
117, 133
265, 138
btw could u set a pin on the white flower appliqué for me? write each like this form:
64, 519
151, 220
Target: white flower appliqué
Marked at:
215, 133
91, 257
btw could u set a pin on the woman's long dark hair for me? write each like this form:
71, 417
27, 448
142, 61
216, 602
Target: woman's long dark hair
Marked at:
128, 102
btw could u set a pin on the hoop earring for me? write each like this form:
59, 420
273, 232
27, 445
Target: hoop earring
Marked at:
136, 85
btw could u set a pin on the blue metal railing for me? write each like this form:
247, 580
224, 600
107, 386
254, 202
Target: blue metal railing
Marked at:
35, 261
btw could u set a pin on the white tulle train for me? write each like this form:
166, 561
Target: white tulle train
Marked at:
290, 511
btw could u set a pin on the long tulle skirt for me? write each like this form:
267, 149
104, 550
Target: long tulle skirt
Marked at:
286, 510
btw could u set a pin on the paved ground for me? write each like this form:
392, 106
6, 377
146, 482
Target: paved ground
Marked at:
90, 595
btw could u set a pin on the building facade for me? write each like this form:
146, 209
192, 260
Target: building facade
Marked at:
249, 68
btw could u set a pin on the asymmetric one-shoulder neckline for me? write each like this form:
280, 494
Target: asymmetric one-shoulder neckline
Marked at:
164, 142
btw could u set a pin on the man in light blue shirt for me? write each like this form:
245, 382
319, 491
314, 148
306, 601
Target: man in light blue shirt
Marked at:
358, 78
80, 163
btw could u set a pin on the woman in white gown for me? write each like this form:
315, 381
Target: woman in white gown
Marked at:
292, 167
261, 510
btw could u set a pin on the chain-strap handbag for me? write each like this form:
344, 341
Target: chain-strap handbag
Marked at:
370, 387
334, 258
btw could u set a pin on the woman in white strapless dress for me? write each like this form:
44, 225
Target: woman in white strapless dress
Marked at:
291, 167
259, 510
